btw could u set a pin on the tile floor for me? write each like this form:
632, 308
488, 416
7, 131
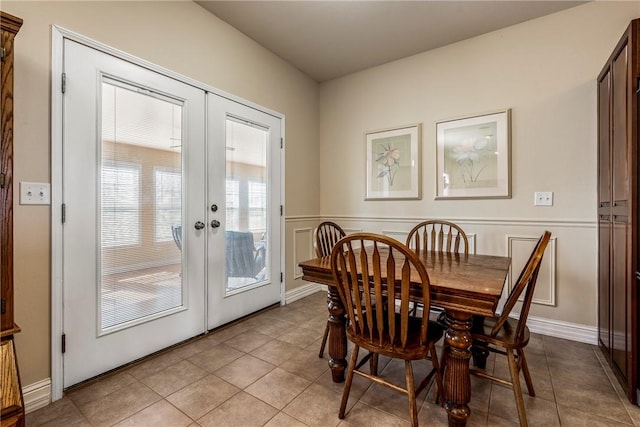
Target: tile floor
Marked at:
265, 371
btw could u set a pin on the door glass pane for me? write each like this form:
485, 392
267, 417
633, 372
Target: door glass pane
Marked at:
140, 206
246, 201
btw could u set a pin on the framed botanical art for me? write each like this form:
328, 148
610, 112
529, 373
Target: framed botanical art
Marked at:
473, 157
393, 163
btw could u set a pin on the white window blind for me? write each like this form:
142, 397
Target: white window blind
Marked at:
168, 208
257, 206
120, 205
233, 204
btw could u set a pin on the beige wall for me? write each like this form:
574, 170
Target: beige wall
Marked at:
180, 36
544, 70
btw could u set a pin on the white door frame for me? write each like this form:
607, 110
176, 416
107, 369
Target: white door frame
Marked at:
58, 34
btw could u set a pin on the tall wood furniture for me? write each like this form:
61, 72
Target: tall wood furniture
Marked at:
464, 285
12, 409
618, 188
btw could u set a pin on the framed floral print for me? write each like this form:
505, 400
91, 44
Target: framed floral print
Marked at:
473, 156
393, 163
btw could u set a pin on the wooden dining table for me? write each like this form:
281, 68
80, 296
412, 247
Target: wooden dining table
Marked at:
463, 285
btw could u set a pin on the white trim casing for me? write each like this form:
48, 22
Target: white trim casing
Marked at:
305, 290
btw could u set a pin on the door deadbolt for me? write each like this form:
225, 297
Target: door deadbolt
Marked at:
214, 208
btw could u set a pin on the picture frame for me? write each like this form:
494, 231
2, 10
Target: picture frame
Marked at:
473, 157
393, 163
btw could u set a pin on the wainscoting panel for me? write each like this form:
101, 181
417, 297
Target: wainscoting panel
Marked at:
520, 248
302, 248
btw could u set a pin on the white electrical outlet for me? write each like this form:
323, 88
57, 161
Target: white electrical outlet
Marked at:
543, 198
35, 193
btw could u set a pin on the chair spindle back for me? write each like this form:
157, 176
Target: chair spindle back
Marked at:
438, 236
372, 268
326, 236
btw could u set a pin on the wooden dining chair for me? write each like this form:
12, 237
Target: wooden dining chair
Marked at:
438, 236
326, 236
508, 336
370, 267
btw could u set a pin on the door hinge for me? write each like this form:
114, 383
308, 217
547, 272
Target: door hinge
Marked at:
64, 343
281, 277
1, 180
3, 306
64, 82
3, 54
64, 213
281, 210
281, 142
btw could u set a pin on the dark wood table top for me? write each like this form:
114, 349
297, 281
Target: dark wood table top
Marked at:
468, 283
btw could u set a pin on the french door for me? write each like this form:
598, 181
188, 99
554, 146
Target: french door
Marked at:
147, 261
245, 213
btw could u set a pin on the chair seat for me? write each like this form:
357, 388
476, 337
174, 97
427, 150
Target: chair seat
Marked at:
414, 350
506, 336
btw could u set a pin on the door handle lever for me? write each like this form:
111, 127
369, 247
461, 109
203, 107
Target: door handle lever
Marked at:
199, 225
215, 223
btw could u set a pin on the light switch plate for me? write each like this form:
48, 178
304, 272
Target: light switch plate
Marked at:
543, 198
35, 193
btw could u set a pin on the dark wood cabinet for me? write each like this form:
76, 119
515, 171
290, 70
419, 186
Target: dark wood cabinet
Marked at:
618, 187
11, 399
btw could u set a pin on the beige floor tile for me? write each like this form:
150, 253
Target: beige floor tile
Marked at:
244, 371
539, 412
278, 387
306, 363
242, 410
154, 365
275, 351
300, 337
231, 331
577, 418
216, 357
316, 406
362, 415
161, 413
434, 415
191, 349
119, 405
101, 388
272, 327
174, 378
247, 341
63, 408
69, 420
284, 420
197, 399
603, 401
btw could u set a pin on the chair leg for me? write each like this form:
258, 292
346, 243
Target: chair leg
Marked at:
411, 390
373, 364
517, 390
525, 371
325, 335
348, 381
436, 366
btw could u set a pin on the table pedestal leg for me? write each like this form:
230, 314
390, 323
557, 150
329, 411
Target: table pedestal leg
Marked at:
337, 335
457, 382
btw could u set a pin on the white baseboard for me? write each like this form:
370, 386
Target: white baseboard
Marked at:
37, 395
301, 292
565, 330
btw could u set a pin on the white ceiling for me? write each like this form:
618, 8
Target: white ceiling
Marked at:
329, 39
